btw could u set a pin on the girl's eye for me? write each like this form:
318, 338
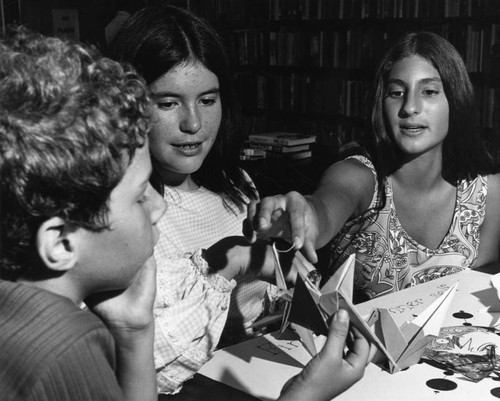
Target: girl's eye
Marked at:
430, 92
165, 105
208, 101
395, 94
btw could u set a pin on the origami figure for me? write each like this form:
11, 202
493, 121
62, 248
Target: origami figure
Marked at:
313, 308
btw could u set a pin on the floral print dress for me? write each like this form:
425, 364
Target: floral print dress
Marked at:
388, 259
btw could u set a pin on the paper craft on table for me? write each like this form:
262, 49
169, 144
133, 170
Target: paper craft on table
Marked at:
302, 267
468, 350
312, 310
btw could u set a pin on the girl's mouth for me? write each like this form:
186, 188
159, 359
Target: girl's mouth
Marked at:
188, 149
187, 146
413, 129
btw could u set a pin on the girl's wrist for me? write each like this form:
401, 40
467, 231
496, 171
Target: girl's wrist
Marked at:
230, 265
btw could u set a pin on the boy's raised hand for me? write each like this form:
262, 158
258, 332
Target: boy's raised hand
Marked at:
130, 309
288, 216
128, 315
330, 373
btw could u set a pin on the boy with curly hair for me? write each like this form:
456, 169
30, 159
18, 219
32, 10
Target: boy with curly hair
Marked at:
78, 222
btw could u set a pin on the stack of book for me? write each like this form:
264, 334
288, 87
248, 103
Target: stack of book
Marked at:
282, 145
249, 153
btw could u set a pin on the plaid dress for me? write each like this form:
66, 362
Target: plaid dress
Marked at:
192, 307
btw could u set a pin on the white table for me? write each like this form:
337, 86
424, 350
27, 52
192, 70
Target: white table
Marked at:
261, 366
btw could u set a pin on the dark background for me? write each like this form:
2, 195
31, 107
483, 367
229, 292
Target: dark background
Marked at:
286, 74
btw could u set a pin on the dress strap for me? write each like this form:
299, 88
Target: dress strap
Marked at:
368, 163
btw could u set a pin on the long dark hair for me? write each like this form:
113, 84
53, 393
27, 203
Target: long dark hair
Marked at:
156, 39
464, 152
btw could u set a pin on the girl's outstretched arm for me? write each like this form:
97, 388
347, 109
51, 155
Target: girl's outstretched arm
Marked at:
309, 222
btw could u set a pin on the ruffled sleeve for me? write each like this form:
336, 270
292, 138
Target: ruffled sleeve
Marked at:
190, 312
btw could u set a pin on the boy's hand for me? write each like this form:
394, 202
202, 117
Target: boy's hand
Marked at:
131, 309
289, 216
329, 373
128, 315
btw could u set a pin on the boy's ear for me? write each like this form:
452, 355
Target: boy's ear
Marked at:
55, 245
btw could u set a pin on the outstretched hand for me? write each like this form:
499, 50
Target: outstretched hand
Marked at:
330, 373
290, 217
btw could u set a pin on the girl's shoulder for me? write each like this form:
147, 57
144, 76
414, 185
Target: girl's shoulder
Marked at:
356, 178
365, 161
359, 166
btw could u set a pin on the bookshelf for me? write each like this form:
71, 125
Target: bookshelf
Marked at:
306, 66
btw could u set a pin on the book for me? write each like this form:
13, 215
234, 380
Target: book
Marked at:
252, 157
253, 152
277, 148
290, 156
289, 149
282, 138
257, 145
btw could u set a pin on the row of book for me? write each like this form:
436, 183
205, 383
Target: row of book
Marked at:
274, 10
278, 145
358, 47
231, 11
489, 105
348, 48
344, 9
303, 93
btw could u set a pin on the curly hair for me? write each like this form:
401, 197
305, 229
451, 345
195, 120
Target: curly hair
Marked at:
70, 122
156, 39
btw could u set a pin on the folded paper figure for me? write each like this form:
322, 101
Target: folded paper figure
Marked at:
400, 347
302, 268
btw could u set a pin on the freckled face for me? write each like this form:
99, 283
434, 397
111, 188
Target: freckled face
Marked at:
186, 119
415, 106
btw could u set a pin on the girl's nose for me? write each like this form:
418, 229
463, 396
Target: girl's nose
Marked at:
191, 121
412, 104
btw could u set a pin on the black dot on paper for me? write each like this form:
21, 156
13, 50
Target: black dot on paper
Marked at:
495, 392
441, 384
462, 315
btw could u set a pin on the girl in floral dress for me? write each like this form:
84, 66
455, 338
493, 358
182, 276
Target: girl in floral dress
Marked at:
420, 200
